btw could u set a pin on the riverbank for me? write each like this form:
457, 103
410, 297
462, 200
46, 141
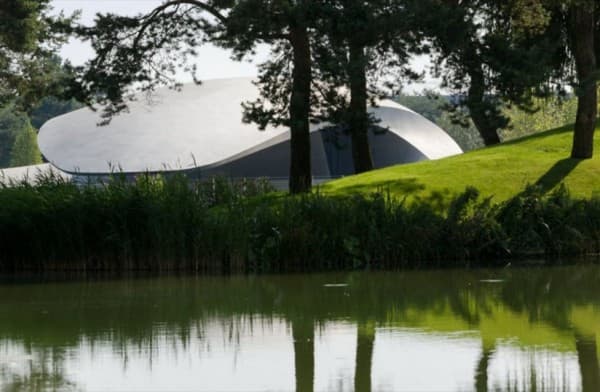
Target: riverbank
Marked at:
166, 224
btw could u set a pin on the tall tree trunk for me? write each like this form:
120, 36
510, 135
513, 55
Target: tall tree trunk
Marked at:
365, 339
358, 117
488, 132
588, 362
300, 165
304, 356
480, 113
583, 23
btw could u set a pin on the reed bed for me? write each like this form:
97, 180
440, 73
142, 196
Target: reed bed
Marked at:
169, 223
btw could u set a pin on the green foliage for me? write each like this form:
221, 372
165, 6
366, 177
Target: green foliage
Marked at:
145, 51
18, 140
25, 150
358, 45
51, 107
555, 225
168, 223
485, 59
20, 23
549, 113
153, 222
10, 125
29, 39
545, 114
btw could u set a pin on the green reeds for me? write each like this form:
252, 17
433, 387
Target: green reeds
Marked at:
169, 223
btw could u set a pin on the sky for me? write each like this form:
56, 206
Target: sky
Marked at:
213, 62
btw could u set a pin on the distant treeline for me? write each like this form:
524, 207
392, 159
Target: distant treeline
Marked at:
164, 224
547, 114
18, 130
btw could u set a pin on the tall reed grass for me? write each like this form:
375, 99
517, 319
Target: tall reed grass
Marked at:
161, 224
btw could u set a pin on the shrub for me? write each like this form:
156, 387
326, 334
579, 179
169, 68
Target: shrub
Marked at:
169, 223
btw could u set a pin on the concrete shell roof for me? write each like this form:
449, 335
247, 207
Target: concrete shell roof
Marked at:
196, 127
30, 174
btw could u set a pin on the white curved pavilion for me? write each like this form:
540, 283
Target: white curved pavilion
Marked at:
30, 174
200, 129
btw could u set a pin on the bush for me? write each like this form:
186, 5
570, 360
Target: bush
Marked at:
168, 223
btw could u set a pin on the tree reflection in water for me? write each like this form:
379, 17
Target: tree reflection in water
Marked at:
38, 371
531, 310
303, 333
365, 340
588, 362
481, 374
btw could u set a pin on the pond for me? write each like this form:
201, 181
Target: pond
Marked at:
518, 329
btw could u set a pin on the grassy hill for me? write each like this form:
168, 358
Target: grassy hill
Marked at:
501, 171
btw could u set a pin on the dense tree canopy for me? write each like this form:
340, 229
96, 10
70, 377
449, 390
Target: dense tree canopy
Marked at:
147, 49
18, 139
575, 29
18, 135
29, 71
363, 51
29, 39
21, 24
488, 58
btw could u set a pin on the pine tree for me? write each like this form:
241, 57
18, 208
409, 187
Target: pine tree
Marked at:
25, 150
487, 58
579, 44
147, 50
363, 51
29, 39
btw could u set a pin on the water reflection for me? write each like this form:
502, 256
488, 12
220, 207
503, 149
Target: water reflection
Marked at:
516, 330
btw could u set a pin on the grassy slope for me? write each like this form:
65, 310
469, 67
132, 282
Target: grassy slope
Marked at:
502, 171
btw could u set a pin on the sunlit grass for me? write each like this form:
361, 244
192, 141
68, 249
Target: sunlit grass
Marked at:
500, 172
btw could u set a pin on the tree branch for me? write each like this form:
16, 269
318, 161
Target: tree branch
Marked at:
147, 20
200, 4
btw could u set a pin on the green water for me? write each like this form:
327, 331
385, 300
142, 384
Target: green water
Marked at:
513, 329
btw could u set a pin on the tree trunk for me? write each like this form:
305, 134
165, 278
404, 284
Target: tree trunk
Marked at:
480, 113
300, 165
583, 23
304, 357
358, 117
488, 133
365, 338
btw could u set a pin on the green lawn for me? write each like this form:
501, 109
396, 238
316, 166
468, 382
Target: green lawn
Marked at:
502, 171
